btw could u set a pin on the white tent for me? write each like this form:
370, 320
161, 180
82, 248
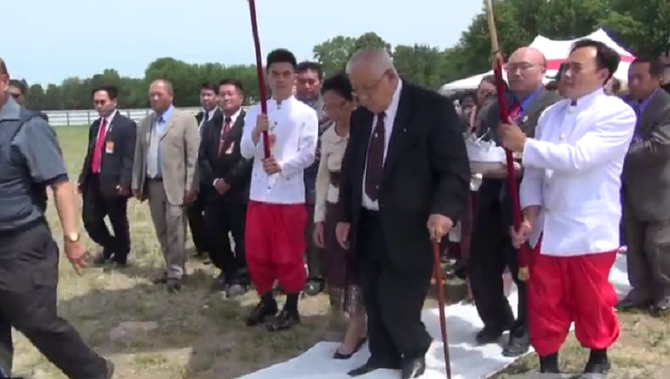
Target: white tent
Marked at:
556, 53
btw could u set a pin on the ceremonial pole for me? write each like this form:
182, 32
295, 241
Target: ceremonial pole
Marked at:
497, 61
260, 73
441, 303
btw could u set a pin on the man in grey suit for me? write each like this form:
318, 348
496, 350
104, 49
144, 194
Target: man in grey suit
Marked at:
491, 250
308, 90
646, 192
164, 172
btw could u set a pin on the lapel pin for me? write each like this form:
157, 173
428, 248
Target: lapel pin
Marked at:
524, 119
562, 137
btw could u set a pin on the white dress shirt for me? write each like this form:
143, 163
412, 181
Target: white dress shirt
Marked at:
573, 171
294, 127
390, 113
333, 147
108, 126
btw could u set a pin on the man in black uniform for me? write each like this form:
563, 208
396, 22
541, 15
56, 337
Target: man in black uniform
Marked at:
31, 161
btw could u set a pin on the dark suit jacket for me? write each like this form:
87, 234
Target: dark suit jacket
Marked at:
117, 165
201, 114
496, 191
426, 171
646, 174
233, 168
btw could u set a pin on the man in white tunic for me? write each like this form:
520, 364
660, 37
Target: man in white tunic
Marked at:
276, 214
570, 196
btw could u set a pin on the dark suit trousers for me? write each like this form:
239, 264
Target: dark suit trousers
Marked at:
28, 296
491, 253
648, 257
196, 220
393, 298
96, 208
223, 218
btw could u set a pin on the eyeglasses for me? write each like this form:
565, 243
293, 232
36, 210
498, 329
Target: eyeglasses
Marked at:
369, 90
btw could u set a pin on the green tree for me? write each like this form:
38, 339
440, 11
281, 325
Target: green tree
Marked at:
422, 64
334, 53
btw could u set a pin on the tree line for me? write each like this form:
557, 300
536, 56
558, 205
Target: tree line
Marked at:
640, 27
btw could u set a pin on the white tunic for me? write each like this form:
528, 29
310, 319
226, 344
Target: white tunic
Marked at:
293, 132
573, 171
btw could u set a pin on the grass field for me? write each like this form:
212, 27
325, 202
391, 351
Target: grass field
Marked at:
199, 335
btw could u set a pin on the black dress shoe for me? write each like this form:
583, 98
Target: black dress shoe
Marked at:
110, 369
661, 308
630, 304
343, 356
314, 286
285, 320
264, 309
518, 344
371, 366
235, 290
173, 285
413, 368
489, 335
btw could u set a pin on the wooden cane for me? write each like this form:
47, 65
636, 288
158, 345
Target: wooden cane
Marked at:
501, 88
441, 303
260, 73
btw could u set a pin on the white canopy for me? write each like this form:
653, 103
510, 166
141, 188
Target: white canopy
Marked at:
556, 53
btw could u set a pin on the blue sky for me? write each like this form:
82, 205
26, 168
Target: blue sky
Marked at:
53, 40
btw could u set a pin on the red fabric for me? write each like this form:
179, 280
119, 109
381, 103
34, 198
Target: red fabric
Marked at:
96, 164
275, 245
224, 133
563, 290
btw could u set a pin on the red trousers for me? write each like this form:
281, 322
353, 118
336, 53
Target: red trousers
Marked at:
563, 290
275, 245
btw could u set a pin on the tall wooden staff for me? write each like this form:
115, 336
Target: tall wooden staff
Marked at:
260, 73
441, 303
497, 61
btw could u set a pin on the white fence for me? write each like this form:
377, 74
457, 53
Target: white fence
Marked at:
86, 117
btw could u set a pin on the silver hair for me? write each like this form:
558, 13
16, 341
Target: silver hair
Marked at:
380, 58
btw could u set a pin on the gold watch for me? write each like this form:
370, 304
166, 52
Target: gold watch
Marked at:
72, 237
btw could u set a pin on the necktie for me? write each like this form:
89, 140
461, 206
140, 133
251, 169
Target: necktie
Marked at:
515, 112
97, 150
224, 133
375, 161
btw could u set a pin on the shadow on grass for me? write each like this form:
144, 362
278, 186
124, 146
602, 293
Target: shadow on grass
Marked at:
194, 333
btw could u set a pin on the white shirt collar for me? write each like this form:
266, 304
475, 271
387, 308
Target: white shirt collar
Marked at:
110, 117
234, 117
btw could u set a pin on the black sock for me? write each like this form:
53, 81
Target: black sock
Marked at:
549, 364
268, 298
292, 301
598, 355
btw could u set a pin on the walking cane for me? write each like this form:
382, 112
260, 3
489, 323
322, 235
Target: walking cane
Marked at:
504, 118
441, 303
260, 73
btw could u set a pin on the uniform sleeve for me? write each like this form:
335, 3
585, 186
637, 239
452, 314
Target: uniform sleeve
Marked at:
248, 149
608, 137
309, 136
657, 148
38, 145
530, 190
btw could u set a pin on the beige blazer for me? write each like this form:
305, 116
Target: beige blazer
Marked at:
179, 146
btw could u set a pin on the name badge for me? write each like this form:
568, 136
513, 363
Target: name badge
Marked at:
109, 147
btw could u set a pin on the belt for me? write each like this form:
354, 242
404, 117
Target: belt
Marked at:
335, 178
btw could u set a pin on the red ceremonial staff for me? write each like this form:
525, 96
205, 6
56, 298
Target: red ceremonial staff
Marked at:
504, 118
260, 73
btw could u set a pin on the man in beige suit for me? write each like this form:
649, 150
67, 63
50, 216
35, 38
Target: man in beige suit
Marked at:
166, 155
646, 191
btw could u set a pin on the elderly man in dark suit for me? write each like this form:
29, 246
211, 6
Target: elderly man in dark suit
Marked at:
646, 192
405, 180
491, 250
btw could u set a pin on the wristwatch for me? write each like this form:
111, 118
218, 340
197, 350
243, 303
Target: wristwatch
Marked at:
72, 237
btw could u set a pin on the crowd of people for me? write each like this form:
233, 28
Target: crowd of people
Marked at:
341, 185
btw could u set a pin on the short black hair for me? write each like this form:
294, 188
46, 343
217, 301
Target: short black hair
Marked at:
310, 66
20, 85
606, 57
466, 94
281, 56
210, 86
112, 91
616, 85
551, 86
232, 82
340, 84
488, 79
656, 66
